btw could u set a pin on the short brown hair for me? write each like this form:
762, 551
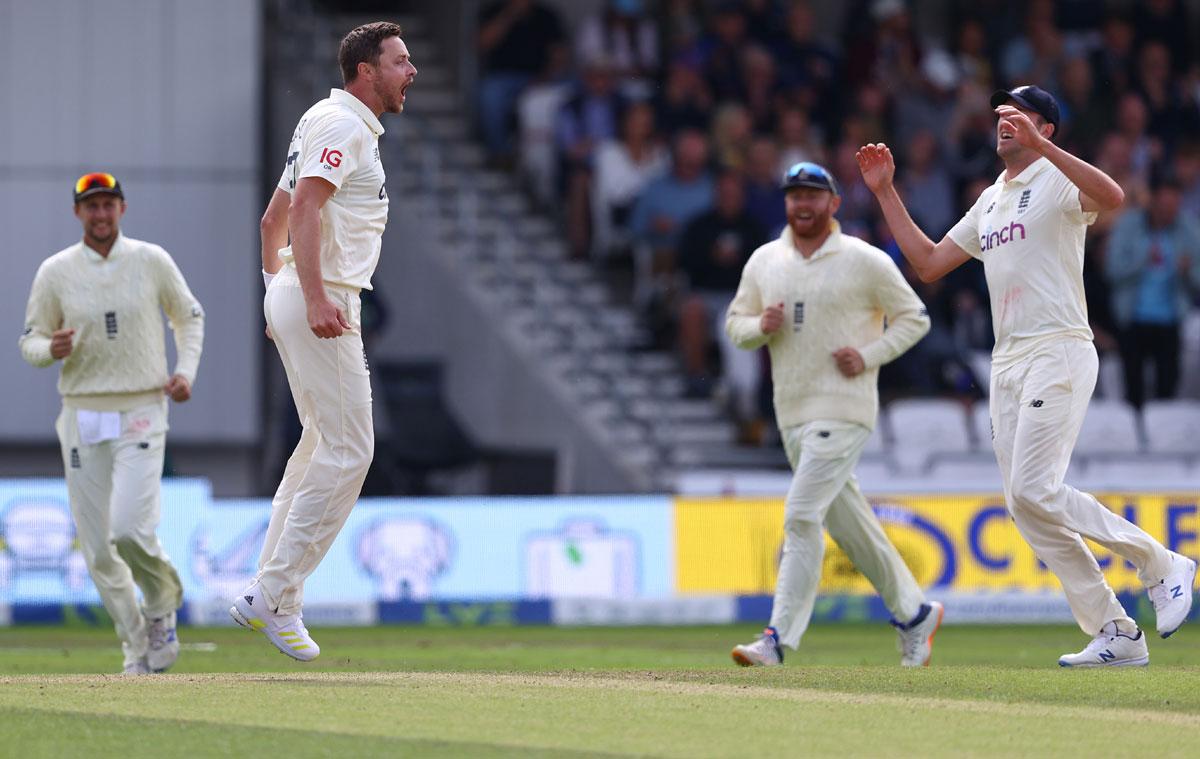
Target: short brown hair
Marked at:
362, 45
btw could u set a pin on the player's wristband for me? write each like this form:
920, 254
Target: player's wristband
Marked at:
267, 278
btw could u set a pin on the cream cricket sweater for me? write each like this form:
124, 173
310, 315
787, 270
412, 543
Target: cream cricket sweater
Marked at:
838, 298
119, 359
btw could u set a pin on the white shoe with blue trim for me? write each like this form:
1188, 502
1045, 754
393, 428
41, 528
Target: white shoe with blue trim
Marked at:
1111, 648
1172, 596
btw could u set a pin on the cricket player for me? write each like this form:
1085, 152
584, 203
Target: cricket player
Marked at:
818, 298
1028, 229
95, 306
331, 198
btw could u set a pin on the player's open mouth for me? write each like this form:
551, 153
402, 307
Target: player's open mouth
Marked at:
1006, 135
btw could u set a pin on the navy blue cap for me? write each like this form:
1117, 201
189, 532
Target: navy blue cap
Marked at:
1032, 97
809, 174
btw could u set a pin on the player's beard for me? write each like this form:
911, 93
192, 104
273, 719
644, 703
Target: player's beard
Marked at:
812, 228
393, 100
90, 233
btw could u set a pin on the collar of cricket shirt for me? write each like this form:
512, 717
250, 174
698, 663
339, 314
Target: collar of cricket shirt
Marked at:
341, 97
1029, 173
94, 256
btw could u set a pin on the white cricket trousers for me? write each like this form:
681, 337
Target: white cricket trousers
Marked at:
331, 387
1037, 409
823, 495
114, 488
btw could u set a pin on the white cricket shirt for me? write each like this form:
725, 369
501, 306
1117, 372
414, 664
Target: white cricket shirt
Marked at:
338, 140
837, 298
119, 359
1029, 231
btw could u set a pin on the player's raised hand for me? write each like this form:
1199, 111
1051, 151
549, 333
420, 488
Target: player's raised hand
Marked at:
1021, 126
61, 343
849, 362
771, 319
877, 166
178, 388
325, 319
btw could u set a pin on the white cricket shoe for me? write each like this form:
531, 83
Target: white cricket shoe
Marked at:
764, 652
285, 631
135, 668
164, 644
916, 638
1111, 648
1172, 596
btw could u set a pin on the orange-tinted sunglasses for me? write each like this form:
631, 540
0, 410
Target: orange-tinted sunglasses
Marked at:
95, 180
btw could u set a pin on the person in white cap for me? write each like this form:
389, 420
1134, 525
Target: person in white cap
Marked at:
818, 299
333, 202
97, 306
1028, 229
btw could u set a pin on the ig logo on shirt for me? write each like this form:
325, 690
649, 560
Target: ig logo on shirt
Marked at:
331, 158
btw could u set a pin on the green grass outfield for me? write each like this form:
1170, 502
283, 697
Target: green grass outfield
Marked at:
525, 691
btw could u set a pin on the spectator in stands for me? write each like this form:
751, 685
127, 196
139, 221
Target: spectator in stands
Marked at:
971, 136
1187, 171
623, 169
712, 251
971, 54
722, 51
683, 101
591, 115
1169, 114
1153, 264
1132, 121
761, 86
809, 68
1112, 60
928, 187
732, 130
1165, 22
1086, 115
762, 186
1035, 55
797, 139
662, 210
519, 41
624, 32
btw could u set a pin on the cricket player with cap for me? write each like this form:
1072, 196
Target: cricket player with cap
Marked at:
95, 306
818, 299
1028, 229
331, 198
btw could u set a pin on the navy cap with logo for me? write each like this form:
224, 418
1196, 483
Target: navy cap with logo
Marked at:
1032, 97
96, 183
809, 174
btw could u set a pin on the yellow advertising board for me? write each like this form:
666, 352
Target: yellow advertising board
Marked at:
956, 542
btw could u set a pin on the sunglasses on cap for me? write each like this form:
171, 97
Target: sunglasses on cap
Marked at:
97, 182
809, 174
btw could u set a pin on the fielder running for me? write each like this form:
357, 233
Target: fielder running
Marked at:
331, 198
1028, 229
95, 306
818, 299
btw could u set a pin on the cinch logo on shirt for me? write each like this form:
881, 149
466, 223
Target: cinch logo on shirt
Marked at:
1006, 234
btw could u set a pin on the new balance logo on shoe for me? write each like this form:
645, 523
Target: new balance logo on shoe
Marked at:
1036, 404
1177, 591
1107, 655
249, 599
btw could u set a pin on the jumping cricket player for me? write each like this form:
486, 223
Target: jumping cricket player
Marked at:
95, 306
331, 198
1028, 229
818, 298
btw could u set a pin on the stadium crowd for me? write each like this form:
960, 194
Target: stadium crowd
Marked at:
659, 132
